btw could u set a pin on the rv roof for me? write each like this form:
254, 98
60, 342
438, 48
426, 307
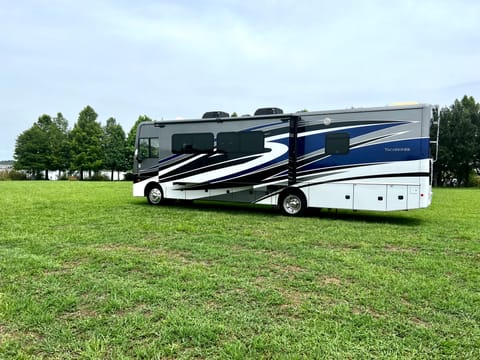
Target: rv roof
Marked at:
288, 115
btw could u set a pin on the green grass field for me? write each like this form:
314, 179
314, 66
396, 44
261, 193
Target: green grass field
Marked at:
87, 271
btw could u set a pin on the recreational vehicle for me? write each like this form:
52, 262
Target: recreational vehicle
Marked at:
359, 159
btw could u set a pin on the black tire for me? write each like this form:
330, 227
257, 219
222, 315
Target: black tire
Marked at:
292, 202
154, 195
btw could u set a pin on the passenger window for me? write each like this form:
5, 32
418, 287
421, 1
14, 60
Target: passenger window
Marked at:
337, 144
154, 147
250, 142
194, 143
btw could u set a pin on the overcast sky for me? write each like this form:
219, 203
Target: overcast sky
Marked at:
169, 59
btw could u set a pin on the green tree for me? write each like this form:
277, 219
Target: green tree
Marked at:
459, 146
131, 140
42, 147
86, 143
115, 147
45, 148
30, 150
59, 140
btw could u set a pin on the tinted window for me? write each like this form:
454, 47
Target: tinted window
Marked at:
154, 147
148, 147
337, 144
241, 142
192, 143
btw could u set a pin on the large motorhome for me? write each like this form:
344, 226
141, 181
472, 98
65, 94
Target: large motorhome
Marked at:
359, 159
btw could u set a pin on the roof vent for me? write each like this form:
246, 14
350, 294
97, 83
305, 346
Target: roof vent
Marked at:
268, 111
215, 114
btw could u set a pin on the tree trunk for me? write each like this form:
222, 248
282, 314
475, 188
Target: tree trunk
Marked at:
111, 175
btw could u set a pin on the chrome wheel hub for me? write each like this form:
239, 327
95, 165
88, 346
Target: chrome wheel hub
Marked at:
292, 204
155, 196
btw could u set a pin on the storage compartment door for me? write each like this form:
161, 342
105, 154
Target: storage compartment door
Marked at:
370, 197
397, 197
413, 197
332, 196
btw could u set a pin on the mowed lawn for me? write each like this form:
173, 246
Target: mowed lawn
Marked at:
87, 271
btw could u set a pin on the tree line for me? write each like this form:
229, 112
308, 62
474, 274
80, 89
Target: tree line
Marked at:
89, 147
458, 162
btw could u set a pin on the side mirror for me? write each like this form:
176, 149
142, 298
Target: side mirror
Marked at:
138, 156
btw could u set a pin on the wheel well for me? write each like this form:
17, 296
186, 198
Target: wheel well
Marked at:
292, 190
150, 186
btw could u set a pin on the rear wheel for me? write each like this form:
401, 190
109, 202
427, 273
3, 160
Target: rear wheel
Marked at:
154, 195
292, 203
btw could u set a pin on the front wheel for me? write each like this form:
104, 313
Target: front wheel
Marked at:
155, 195
293, 203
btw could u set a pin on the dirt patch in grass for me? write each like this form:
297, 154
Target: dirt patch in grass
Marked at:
331, 281
145, 251
4, 334
80, 312
66, 268
398, 249
420, 323
293, 298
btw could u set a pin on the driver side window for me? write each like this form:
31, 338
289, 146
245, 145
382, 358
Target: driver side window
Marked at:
148, 148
